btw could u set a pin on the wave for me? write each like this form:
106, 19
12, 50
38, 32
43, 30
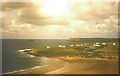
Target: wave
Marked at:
33, 68
46, 65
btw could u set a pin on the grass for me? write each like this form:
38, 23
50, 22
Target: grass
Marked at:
108, 49
82, 51
55, 52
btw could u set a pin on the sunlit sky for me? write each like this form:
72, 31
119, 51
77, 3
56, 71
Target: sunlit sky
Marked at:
59, 19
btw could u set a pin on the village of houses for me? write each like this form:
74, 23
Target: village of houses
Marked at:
87, 51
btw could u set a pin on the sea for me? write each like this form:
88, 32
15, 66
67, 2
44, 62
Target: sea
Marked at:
13, 60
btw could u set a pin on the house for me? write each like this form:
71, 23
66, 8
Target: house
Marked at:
21, 50
114, 43
47, 47
63, 46
28, 49
59, 45
104, 43
82, 45
97, 43
90, 52
77, 45
71, 45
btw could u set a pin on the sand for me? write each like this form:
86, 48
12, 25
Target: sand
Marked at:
74, 66
88, 67
49, 65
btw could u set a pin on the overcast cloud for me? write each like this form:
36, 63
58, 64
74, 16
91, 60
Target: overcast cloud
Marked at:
79, 19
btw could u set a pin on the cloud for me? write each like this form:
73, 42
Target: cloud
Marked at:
15, 5
39, 19
84, 19
93, 10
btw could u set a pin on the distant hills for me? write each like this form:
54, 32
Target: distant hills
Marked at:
94, 39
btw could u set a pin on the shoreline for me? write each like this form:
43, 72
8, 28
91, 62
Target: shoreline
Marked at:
48, 66
72, 66
61, 65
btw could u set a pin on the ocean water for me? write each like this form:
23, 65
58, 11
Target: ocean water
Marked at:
13, 60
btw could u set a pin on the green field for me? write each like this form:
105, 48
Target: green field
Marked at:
102, 51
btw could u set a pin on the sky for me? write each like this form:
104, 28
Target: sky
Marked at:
59, 19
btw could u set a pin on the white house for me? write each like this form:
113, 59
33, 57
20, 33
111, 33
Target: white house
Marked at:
47, 47
25, 50
90, 52
59, 45
71, 45
28, 49
97, 43
21, 50
77, 45
32, 56
63, 46
114, 44
104, 43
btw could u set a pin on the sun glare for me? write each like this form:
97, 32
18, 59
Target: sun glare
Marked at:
55, 7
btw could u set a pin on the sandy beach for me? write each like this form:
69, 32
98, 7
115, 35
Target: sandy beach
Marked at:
49, 64
73, 66
88, 67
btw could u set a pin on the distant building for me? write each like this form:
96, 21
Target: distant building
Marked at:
28, 49
104, 43
64, 46
114, 43
47, 47
25, 50
77, 45
59, 45
21, 50
71, 45
97, 43
89, 52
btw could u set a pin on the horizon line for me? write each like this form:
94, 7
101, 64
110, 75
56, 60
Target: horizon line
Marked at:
38, 38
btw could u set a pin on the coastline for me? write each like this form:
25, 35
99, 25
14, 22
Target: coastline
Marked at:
73, 66
47, 66
44, 66
58, 63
